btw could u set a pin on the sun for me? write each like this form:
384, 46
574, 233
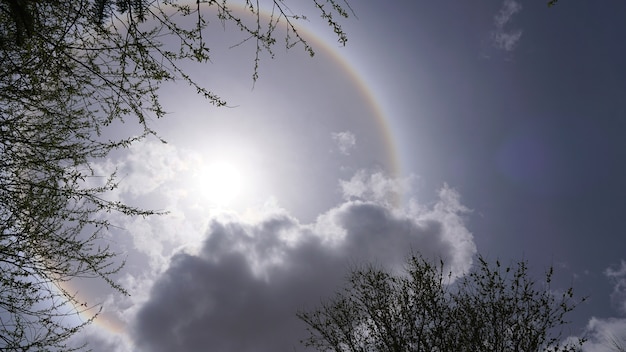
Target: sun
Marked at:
220, 182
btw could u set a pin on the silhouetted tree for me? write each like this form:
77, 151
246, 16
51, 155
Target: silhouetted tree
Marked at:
69, 69
490, 309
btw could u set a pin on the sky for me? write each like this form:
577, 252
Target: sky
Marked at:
451, 128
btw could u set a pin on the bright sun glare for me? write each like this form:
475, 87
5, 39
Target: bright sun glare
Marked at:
220, 183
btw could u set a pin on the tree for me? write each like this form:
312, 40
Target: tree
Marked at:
491, 308
68, 70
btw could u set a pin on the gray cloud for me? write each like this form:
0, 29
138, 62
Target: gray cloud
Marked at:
608, 334
604, 335
241, 289
507, 40
346, 141
508, 9
618, 278
503, 39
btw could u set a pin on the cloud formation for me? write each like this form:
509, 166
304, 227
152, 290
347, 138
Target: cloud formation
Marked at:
609, 334
605, 335
240, 291
220, 281
618, 278
503, 39
374, 186
346, 141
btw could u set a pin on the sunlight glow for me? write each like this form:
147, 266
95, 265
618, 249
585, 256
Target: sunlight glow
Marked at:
220, 183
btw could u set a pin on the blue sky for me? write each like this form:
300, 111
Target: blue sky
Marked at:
500, 123
531, 135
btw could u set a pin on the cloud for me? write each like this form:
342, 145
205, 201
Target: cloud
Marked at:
503, 39
604, 335
609, 334
507, 41
618, 278
157, 176
374, 187
148, 167
201, 279
346, 141
241, 289
509, 8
